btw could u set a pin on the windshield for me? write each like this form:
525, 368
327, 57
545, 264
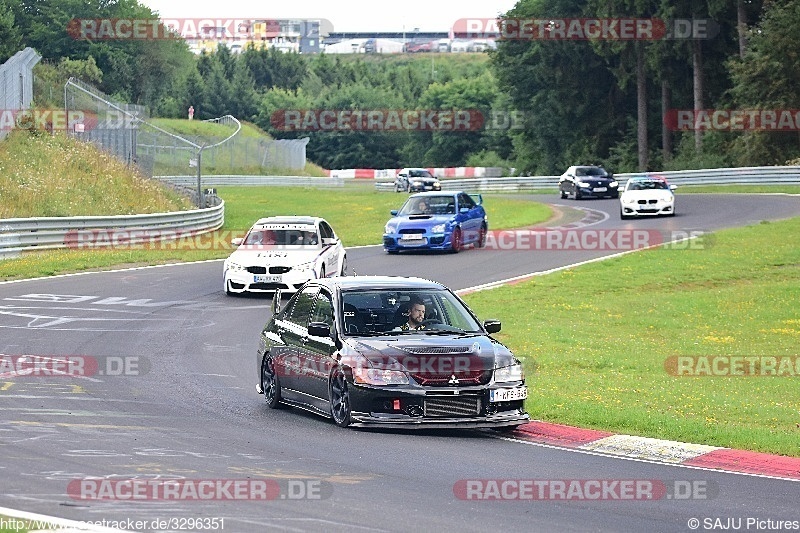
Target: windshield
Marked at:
647, 185
398, 312
590, 171
429, 205
281, 237
419, 174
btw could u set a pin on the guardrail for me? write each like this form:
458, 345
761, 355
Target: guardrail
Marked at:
44, 233
716, 176
223, 180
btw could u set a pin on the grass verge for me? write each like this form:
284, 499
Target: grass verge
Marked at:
357, 215
596, 339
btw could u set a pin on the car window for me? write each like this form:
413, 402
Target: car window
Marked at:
464, 200
325, 230
323, 310
383, 310
428, 205
420, 174
301, 307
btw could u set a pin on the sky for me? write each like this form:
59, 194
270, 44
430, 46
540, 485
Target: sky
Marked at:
345, 15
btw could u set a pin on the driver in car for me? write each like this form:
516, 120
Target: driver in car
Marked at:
416, 315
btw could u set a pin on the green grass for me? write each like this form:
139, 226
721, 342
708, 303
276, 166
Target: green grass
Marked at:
44, 175
356, 214
594, 340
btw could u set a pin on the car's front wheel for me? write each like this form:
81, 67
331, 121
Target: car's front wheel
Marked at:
270, 383
578, 194
343, 270
340, 399
481, 242
622, 215
564, 194
456, 240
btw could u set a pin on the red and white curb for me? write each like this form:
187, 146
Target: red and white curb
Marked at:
660, 451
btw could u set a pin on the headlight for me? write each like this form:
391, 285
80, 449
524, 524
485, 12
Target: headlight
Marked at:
613, 184
508, 373
438, 228
416, 183
582, 184
628, 200
389, 228
376, 376
230, 265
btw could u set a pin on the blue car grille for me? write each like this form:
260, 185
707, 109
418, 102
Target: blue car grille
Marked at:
411, 231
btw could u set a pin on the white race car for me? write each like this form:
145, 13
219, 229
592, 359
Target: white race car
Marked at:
647, 197
283, 253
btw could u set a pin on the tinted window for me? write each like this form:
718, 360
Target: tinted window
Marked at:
301, 307
325, 230
323, 310
464, 200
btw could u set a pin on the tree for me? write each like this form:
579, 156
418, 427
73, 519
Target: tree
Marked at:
10, 42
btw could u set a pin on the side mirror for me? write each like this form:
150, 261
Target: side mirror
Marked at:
480, 199
276, 302
673, 187
330, 241
237, 241
393, 212
491, 326
319, 329
464, 210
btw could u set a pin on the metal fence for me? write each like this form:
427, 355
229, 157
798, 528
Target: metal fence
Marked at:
46, 233
16, 83
716, 176
94, 117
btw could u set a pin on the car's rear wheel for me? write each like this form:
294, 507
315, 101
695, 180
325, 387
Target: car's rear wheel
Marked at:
456, 240
340, 399
270, 383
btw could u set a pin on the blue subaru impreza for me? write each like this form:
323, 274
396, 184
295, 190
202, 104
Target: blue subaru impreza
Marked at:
437, 221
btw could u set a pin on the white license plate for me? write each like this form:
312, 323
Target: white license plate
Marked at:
412, 237
266, 279
507, 395
599, 189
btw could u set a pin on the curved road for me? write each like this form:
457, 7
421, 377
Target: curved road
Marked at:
192, 412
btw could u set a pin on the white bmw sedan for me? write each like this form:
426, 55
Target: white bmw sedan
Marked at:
283, 253
647, 197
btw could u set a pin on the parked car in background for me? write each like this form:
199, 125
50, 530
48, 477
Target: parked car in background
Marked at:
283, 253
588, 182
416, 180
338, 349
436, 221
647, 196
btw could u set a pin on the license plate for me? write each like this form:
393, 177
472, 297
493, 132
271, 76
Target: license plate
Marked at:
507, 395
412, 237
266, 279
599, 189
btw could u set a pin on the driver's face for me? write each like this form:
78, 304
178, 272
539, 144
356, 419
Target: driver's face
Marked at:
417, 313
